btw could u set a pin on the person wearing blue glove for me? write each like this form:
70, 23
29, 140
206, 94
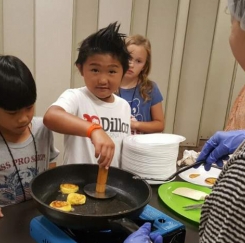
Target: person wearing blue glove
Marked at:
144, 235
223, 212
219, 146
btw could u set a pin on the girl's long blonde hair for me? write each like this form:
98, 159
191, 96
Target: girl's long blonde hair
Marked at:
145, 83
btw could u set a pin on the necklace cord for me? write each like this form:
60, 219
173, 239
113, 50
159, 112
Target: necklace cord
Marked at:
132, 99
16, 168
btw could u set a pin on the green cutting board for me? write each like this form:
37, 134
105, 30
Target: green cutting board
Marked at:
176, 202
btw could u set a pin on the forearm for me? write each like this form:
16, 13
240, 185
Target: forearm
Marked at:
58, 120
148, 127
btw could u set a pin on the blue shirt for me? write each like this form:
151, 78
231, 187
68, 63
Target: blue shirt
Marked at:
140, 109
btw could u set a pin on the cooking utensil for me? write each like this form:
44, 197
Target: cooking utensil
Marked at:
132, 195
172, 176
193, 206
100, 190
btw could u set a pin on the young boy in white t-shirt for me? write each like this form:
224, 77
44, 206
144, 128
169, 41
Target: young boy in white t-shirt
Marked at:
93, 119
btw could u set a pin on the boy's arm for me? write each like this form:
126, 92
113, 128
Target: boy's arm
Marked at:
1, 214
58, 120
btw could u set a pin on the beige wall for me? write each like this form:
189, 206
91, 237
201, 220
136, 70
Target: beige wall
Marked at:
192, 62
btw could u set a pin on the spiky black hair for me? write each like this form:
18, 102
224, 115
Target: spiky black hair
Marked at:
17, 86
105, 41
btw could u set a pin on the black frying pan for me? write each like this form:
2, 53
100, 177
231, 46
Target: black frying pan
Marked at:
132, 195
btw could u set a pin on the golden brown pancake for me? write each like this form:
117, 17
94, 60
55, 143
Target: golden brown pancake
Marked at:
67, 188
76, 198
61, 205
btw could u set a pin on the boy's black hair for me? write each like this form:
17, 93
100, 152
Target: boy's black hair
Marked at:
17, 86
105, 41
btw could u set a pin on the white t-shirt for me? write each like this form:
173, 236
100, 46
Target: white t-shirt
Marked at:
113, 117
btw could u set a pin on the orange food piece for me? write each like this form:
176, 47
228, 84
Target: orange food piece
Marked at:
210, 180
61, 205
194, 175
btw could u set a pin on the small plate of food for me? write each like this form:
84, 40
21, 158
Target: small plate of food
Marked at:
200, 176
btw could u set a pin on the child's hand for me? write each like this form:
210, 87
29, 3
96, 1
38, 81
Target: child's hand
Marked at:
134, 125
104, 147
1, 215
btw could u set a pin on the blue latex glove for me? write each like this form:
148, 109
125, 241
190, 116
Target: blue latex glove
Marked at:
142, 235
219, 146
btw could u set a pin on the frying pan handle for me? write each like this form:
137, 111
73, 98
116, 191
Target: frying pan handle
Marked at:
101, 179
125, 224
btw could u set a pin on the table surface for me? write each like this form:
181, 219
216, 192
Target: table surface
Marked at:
14, 226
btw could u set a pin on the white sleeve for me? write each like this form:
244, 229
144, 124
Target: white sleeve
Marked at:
68, 101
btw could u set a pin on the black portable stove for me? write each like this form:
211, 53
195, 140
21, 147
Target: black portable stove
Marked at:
42, 230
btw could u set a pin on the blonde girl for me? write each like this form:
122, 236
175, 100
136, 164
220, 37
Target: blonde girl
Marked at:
142, 94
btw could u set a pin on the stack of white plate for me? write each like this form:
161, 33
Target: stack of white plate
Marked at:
151, 155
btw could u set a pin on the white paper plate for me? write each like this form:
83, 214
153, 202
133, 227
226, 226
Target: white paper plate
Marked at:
150, 175
158, 182
200, 180
151, 155
158, 139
